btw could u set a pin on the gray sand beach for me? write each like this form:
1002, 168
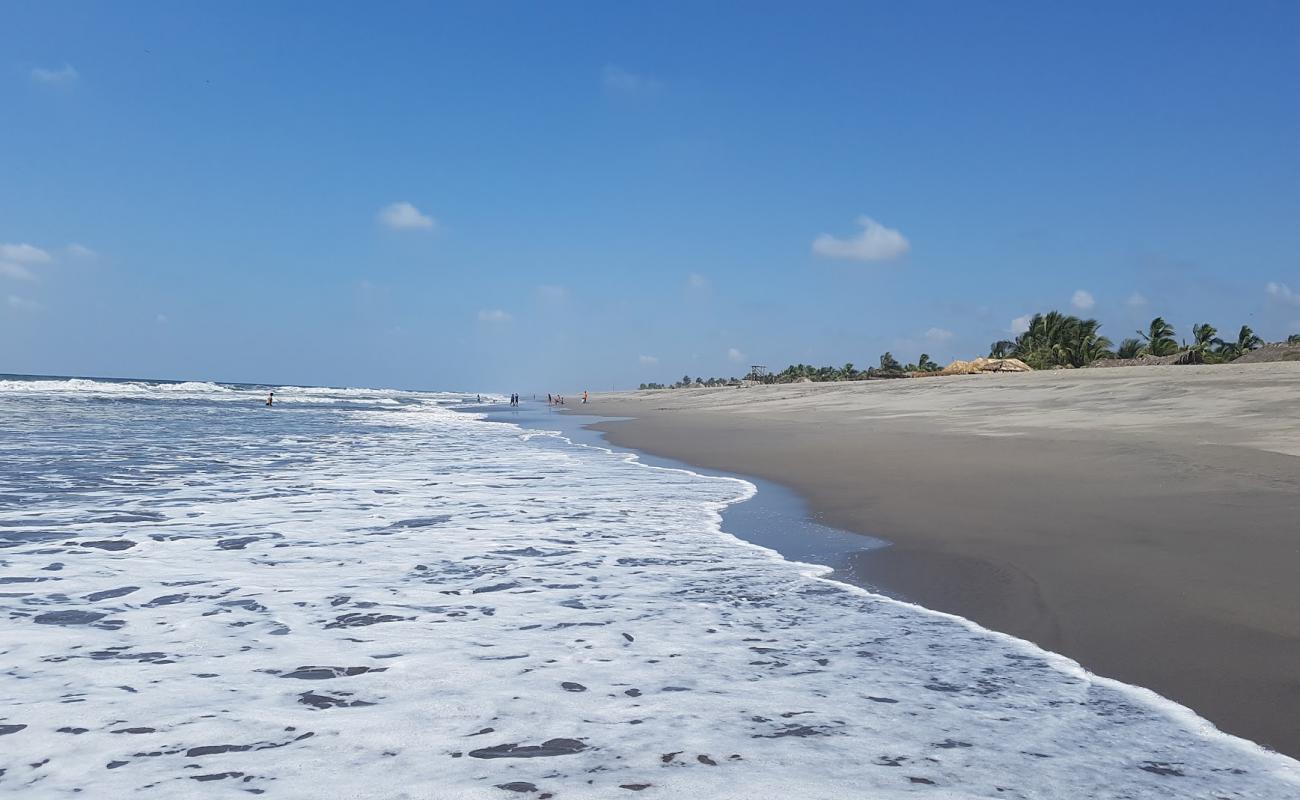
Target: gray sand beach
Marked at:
1143, 521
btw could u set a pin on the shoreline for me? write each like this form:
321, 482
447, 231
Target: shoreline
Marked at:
1157, 560
774, 517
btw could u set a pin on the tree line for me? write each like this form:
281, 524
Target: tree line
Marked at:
1052, 340
1060, 340
890, 367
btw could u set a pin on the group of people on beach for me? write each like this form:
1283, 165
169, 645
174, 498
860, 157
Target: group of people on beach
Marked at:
514, 399
558, 400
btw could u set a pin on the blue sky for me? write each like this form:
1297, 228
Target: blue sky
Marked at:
541, 197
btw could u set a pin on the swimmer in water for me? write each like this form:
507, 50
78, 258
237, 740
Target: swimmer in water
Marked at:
270, 399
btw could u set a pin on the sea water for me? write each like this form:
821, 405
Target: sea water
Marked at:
363, 593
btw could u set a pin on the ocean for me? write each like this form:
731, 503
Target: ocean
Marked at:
369, 594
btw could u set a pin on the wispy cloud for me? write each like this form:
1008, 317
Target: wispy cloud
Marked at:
1021, 324
1136, 300
617, 80
1283, 293
551, 293
938, 335
494, 315
649, 361
63, 76
9, 269
698, 285
16, 260
402, 216
1083, 300
82, 252
735, 356
875, 243
24, 254
23, 304
161, 319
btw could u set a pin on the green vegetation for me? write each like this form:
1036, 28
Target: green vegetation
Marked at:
1056, 340
1159, 337
1059, 340
889, 366
1129, 348
1246, 341
924, 364
688, 382
1205, 335
1293, 338
1053, 340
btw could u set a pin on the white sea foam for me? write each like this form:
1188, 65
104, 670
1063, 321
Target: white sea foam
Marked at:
217, 392
193, 386
419, 604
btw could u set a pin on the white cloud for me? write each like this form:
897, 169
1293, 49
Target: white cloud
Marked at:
1136, 300
17, 260
23, 304
161, 319
403, 216
735, 356
63, 76
698, 284
81, 251
618, 80
551, 293
24, 254
1083, 300
875, 243
9, 269
493, 315
1021, 324
1283, 293
938, 335
648, 360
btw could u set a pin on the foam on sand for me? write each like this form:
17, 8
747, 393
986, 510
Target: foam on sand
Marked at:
416, 603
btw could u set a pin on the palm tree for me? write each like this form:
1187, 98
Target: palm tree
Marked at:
889, 364
1058, 340
1159, 338
924, 364
1246, 341
1293, 338
1036, 345
1129, 348
1092, 348
1205, 343
1001, 348
1084, 344
1205, 334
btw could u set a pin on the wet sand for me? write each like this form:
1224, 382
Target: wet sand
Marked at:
1143, 521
